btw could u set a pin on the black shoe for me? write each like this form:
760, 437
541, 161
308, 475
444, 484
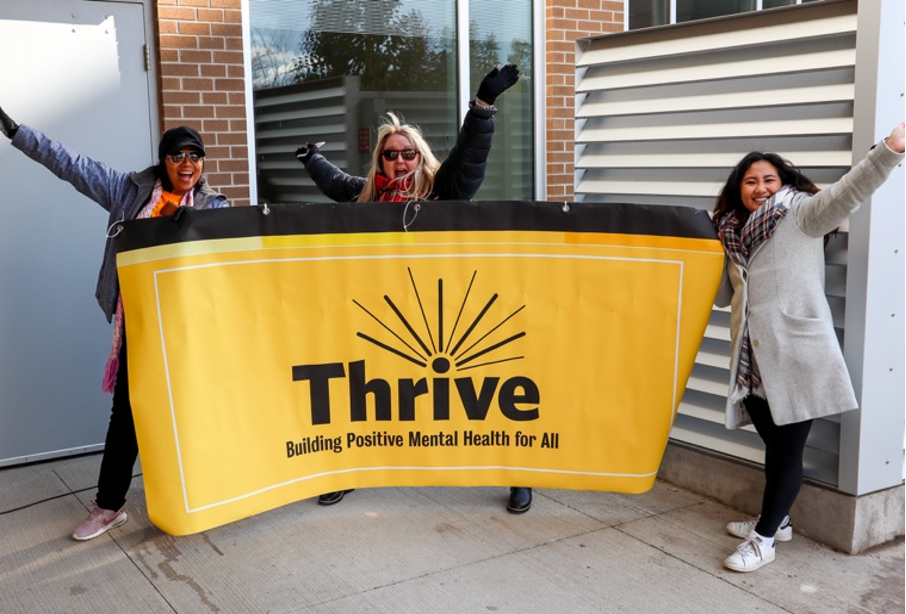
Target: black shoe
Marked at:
520, 500
330, 498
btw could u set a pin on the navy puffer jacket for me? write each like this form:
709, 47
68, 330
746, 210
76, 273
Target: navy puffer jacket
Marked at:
458, 178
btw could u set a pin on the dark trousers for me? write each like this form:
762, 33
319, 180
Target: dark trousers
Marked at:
784, 447
121, 446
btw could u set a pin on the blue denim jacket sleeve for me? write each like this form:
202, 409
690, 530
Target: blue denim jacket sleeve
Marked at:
102, 184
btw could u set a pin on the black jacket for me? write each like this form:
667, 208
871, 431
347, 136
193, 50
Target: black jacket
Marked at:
458, 178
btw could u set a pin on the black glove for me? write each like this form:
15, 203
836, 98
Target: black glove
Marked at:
305, 152
497, 82
7, 125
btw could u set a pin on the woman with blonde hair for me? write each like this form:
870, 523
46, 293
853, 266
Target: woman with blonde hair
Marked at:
403, 168
419, 176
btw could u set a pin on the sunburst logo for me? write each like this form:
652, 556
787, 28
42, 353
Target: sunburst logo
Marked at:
464, 347
423, 338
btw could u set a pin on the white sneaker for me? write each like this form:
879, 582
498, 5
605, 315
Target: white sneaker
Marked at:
751, 554
744, 528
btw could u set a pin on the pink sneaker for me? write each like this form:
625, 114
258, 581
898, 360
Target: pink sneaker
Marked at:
99, 521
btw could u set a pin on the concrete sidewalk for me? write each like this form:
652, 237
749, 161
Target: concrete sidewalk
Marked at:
419, 550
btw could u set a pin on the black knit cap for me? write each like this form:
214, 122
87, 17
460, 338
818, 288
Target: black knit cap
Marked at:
175, 140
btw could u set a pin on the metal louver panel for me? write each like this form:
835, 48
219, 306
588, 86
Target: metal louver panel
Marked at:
663, 114
342, 115
286, 118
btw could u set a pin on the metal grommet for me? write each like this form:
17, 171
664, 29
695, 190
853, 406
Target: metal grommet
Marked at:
115, 229
416, 207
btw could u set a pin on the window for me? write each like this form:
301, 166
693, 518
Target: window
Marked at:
328, 70
647, 13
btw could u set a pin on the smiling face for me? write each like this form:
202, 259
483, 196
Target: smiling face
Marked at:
185, 174
759, 183
393, 169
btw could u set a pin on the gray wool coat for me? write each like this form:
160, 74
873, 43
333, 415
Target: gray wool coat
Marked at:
783, 301
122, 194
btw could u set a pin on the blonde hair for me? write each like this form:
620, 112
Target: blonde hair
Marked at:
422, 177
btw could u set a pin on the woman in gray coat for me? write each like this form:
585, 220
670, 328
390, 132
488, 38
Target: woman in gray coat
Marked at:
786, 367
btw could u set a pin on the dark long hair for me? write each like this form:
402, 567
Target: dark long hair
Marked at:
730, 201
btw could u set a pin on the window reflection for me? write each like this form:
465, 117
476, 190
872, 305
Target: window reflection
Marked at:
499, 34
688, 10
326, 70
327, 73
648, 13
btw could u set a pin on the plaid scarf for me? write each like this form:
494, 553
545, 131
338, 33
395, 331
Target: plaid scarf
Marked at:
392, 190
740, 240
151, 209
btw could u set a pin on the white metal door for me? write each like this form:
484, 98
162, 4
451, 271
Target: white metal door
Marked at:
75, 70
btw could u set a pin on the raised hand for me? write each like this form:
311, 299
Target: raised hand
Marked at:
497, 82
7, 125
305, 152
896, 139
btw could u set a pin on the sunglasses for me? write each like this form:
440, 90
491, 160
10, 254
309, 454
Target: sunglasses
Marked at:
391, 154
179, 157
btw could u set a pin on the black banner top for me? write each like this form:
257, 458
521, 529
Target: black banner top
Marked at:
425, 216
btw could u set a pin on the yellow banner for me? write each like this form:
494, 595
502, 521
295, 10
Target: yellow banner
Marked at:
268, 369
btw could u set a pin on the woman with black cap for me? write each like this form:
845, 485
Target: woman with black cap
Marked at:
176, 181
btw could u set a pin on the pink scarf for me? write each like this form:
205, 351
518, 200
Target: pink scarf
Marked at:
113, 361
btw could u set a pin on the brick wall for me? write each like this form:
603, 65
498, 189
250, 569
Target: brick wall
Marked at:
565, 21
201, 81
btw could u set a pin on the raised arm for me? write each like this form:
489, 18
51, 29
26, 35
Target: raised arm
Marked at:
94, 179
819, 214
333, 182
463, 171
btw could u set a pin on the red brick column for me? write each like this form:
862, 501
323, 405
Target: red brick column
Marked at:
565, 21
202, 85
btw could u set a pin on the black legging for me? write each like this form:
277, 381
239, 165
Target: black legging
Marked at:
121, 447
784, 447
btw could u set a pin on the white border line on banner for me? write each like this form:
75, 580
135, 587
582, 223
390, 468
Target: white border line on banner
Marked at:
678, 263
